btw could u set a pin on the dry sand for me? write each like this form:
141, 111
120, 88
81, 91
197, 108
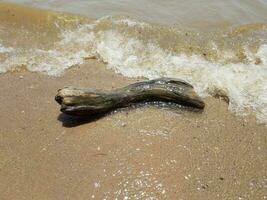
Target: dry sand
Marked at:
143, 153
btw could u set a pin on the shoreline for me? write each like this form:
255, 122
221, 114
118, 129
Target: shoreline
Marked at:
144, 152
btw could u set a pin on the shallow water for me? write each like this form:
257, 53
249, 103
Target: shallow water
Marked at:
219, 47
181, 12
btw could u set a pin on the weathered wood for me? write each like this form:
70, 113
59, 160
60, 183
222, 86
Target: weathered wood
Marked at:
89, 102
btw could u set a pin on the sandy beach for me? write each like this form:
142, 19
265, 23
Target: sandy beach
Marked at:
143, 153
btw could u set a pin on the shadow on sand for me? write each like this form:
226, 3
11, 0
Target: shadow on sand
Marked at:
70, 121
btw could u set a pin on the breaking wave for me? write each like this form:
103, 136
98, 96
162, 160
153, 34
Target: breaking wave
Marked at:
231, 63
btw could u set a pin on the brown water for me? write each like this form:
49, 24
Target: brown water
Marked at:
189, 13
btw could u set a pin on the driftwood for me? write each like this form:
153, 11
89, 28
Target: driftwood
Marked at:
89, 102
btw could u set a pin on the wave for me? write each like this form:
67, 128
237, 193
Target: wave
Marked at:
231, 62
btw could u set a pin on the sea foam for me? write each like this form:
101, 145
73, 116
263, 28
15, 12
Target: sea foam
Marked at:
245, 84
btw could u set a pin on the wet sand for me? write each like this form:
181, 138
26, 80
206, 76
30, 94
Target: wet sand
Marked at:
143, 153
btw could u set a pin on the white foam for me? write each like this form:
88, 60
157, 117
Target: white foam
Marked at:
52, 62
130, 22
69, 51
244, 84
5, 49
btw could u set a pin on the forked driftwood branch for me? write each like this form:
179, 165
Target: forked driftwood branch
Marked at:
89, 102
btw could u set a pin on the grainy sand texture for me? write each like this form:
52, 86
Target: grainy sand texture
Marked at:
142, 153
